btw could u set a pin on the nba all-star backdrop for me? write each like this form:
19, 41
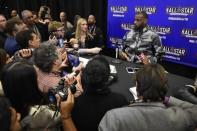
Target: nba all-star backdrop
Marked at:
174, 20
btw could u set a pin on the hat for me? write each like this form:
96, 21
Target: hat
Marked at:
54, 25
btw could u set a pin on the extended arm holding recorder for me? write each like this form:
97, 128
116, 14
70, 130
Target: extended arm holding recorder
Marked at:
65, 111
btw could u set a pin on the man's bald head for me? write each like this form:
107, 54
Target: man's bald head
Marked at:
91, 20
27, 17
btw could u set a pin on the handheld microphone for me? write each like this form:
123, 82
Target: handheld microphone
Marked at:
116, 53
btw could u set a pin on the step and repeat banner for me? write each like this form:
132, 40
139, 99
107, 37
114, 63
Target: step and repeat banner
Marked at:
174, 20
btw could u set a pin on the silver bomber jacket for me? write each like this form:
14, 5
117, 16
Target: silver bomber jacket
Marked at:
147, 41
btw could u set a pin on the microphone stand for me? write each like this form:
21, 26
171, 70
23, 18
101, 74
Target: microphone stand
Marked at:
116, 61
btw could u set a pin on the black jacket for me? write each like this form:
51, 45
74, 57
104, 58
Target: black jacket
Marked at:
43, 29
90, 107
2, 39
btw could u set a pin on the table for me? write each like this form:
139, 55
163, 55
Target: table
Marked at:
125, 80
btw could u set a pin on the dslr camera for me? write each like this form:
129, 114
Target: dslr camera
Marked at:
62, 90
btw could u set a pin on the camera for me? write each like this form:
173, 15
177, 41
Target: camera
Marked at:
62, 90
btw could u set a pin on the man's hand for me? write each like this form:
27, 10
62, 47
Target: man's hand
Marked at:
79, 89
64, 63
64, 60
69, 78
53, 39
65, 110
143, 58
123, 56
66, 106
25, 53
78, 68
73, 41
95, 50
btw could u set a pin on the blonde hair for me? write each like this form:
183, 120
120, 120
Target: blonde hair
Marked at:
78, 29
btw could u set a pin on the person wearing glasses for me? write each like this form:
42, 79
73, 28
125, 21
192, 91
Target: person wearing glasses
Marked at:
57, 33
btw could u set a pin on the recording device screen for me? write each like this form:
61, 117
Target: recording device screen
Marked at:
131, 69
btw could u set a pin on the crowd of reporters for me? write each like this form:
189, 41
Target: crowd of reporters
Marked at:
37, 53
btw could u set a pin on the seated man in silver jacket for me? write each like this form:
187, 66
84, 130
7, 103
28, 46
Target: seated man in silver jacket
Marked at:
141, 44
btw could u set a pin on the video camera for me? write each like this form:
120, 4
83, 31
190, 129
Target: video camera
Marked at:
62, 90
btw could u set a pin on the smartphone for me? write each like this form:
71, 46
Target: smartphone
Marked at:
131, 69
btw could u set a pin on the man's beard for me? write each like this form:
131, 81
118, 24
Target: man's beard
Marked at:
139, 28
90, 23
